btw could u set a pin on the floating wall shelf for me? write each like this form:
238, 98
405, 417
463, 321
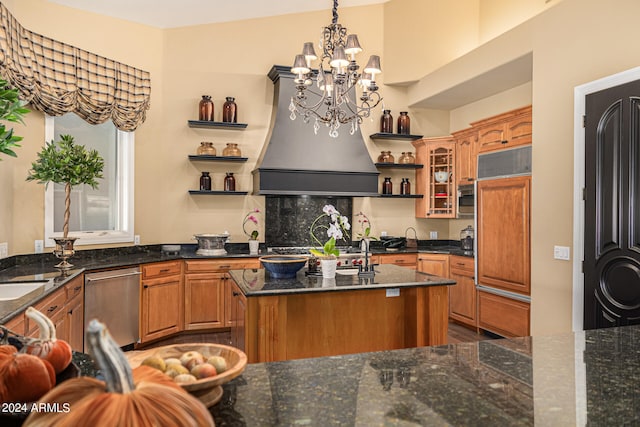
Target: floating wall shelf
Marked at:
210, 125
396, 136
209, 158
399, 166
219, 193
402, 196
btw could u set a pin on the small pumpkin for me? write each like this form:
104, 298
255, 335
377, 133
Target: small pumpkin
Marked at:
47, 346
24, 377
142, 397
6, 351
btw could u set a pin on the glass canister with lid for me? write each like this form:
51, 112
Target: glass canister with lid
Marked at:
466, 238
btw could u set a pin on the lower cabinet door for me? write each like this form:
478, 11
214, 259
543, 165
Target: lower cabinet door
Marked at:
75, 322
462, 298
204, 301
162, 307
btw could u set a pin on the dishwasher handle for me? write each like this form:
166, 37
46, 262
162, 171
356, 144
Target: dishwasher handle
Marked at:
97, 279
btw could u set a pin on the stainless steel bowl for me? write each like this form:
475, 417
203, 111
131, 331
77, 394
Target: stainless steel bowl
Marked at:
211, 244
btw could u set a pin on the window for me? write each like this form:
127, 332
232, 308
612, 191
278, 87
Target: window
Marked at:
103, 215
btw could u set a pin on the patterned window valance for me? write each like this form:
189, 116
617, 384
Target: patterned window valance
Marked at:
57, 78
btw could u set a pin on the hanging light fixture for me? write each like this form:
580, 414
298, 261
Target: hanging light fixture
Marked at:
335, 101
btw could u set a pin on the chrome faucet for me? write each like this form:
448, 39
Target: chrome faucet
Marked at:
367, 270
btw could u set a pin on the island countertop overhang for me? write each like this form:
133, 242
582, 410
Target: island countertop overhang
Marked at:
257, 282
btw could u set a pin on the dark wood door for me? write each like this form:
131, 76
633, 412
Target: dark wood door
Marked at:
612, 209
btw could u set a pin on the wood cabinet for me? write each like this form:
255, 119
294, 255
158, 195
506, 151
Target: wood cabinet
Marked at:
507, 317
462, 295
507, 130
208, 294
162, 301
466, 156
51, 306
74, 313
440, 195
436, 264
238, 304
403, 260
17, 324
503, 234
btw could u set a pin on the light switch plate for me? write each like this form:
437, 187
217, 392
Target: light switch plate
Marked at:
433, 234
561, 252
136, 239
39, 246
393, 292
4, 250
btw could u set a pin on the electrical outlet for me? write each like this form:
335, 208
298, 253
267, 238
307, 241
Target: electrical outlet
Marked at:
561, 252
433, 234
39, 246
136, 239
4, 250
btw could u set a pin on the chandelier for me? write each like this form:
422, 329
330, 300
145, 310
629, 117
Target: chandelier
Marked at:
334, 101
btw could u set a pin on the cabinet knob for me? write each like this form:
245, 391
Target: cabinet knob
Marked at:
235, 294
52, 308
145, 286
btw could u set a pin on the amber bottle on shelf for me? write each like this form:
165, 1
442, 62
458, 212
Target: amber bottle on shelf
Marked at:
404, 123
229, 182
205, 182
387, 186
405, 186
386, 122
230, 111
206, 109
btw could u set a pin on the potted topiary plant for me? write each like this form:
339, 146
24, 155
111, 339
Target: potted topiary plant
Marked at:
64, 162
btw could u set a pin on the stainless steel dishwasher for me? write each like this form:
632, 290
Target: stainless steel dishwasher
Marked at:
113, 297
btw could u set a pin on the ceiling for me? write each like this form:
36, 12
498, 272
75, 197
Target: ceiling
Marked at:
172, 13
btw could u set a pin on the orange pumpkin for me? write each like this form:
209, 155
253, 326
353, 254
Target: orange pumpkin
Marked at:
142, 398
47, 346
24, 378
6, 351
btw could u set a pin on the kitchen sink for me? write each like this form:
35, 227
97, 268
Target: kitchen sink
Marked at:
14, 290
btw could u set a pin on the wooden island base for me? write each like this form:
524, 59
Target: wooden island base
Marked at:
295, 326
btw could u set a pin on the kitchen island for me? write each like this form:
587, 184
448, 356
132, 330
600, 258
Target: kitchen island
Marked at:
582, 378
309, 316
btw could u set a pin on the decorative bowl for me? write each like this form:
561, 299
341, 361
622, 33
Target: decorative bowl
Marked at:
207, 390
283, 266
441, 176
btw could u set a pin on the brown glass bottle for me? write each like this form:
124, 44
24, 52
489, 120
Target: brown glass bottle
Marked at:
387, 186
230, 111
206, 109
405, 186
386, 122
229, 182
205, 182
404, 123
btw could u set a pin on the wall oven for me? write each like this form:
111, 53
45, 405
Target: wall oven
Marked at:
466, 201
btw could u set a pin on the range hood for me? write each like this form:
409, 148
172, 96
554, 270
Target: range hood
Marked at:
296, 161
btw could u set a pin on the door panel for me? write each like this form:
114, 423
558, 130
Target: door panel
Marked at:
612, 214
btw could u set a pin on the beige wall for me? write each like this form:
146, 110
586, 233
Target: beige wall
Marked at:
499, 16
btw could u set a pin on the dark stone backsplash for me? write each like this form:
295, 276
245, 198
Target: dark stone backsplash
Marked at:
288, 218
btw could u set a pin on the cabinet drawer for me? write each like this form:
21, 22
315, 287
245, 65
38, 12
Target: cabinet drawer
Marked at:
50, 307
502, 315
461, 263
161, 269
17, 324
74, 288
220, 265
399, 259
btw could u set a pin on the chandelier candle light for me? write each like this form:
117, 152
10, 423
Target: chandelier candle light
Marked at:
337, 101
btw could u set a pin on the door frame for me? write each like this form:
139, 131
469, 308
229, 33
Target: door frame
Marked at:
579, 94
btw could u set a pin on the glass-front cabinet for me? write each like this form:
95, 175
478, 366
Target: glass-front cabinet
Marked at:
437, 180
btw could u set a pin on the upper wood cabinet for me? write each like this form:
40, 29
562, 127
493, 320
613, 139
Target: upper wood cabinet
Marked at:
506, 130
466, 156
440, 194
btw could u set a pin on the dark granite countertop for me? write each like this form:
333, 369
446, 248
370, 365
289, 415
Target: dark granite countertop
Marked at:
258, 282
586, 378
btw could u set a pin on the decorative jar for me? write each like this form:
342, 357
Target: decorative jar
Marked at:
386, 157
230, 111
404, 123
405, 186
206, 149
231, 150
229, 182
205, 182
407, 158
386, 122
206, 109
387, 186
